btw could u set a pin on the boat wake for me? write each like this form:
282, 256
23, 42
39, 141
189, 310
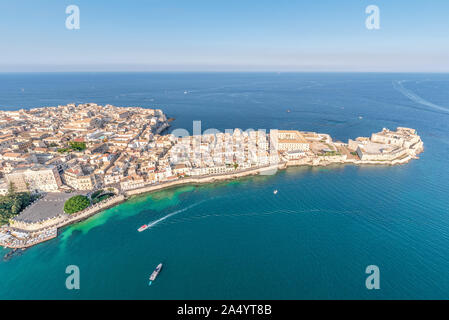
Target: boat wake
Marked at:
415, 98
261, 214
155, 222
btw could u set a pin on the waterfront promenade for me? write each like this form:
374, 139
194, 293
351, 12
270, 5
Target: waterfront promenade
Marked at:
207, 179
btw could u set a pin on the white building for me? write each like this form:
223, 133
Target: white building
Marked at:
37, 178
288, 140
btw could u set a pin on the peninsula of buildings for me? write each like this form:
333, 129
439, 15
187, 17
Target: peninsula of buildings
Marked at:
54, 153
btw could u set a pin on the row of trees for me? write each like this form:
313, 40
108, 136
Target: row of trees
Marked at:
76, 204
80, 202
13, 203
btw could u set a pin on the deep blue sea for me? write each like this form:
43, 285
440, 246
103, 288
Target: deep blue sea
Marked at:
237, 240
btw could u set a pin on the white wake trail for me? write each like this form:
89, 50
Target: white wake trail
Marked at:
155, 222
414, 97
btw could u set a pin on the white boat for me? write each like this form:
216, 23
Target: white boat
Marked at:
275, 192
155, 273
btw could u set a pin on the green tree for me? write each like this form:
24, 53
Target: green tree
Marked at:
76, 204
96, 194
13, 203
77, 146
63, 150
16, 206
11, 189
102, 197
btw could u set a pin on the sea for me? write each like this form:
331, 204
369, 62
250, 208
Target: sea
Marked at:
314, 239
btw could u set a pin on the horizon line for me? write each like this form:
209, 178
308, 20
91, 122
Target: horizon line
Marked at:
223, 71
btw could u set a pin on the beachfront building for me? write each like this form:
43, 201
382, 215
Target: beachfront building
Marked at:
402, 137
181, 169
132, 182
371, 151
387, 145
288, 140
295, 154
77, 179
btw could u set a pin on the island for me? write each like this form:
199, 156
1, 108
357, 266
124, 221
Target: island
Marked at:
60, 165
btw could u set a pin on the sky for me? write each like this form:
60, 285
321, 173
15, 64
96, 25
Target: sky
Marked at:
224, 35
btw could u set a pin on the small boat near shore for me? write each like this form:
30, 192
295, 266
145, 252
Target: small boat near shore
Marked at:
275, 191
155, 273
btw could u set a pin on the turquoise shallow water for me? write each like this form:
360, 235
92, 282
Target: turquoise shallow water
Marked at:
237, 239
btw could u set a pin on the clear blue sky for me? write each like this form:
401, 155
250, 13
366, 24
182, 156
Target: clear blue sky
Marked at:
224, 35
